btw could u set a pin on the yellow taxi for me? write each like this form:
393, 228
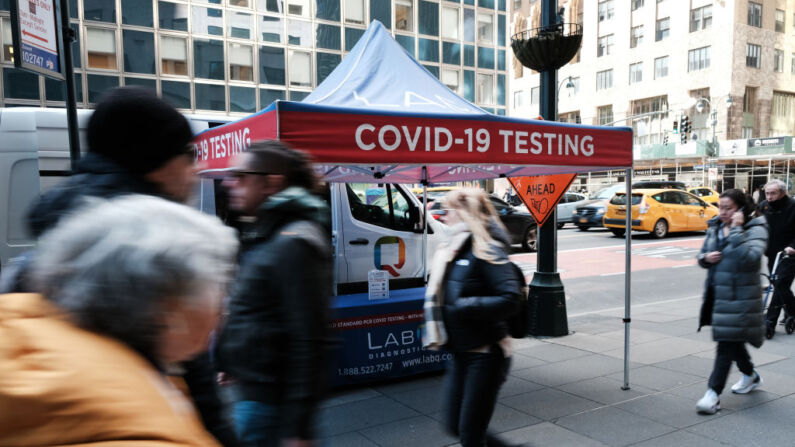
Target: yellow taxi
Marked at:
708, 195
659, 211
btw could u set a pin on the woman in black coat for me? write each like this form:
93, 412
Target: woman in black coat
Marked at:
472, 289
732, 252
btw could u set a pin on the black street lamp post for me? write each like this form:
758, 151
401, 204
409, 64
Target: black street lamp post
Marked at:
546, 49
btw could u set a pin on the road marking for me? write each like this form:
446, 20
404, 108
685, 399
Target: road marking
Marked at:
635, 306
612, 274
683, 266
634, 245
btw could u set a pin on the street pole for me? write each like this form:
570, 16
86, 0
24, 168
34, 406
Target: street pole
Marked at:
69, 79
546, 289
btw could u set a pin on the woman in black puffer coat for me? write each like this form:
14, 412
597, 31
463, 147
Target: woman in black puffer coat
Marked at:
473, 288
732, 252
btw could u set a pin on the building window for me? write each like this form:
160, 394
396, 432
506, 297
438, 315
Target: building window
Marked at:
294, 7
778, 61
452, 79
271, 65
637, 4
636, 37
698, 59
518, 99
661, 67
174, 56
604, 45
300, 68
792, 69
172, 16
240, 25
606, 10
210, 97
300, 32
8, 48
663, 29
749, 100
208, 21
271, 29
100, 10
782, 115
753, 56
570, 117
700, 18
208, 59
139, 51
604, 115
176, 93
485, 89
404, 15
329, 10
354, 11
635, 73
780, 25
136, 13
576, 89
604, 79
101, 48
535, 95
485, 28
755, 14
241, 62
748, 132
428, 18
381, 11
450, 23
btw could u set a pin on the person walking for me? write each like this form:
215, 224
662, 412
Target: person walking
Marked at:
779, 210
273, 348
124, 289
137, 144
472, 290
732, 253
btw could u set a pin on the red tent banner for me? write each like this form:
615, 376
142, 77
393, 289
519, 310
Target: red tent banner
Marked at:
541, 193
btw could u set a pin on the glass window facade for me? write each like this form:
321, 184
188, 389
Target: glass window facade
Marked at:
236, 56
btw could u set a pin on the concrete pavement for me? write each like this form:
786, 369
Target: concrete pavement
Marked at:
566, 391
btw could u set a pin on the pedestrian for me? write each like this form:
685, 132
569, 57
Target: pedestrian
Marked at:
274, 346
125, 289
137, 144
779, 210
472, 290
732, 253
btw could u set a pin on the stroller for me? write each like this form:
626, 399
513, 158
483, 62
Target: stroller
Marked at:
789, 320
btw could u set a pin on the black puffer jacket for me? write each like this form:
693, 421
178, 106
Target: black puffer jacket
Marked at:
276, 340
780, 217
733, 288
478, 297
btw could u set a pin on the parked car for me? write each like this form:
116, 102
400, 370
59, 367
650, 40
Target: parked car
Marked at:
567, 205
659, 184
708, 195
589, 213
434, 193
521, 226
659, 211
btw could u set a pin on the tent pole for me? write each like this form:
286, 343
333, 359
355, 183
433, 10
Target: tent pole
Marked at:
627, 277
424, 223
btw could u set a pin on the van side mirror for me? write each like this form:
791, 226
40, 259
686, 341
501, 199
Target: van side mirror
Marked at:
414, 215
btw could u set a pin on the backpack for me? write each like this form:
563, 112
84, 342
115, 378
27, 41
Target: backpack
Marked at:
519, 323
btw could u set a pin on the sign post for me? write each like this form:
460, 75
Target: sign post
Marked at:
42, 43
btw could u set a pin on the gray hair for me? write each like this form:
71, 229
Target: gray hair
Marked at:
113, 265
778, 183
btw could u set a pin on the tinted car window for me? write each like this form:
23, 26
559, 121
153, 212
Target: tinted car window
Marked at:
673, 197
690, 200
499, 205
621, 199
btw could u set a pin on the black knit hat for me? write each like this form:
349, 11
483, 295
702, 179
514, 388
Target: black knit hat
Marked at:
137, 130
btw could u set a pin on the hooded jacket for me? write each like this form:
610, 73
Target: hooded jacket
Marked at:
61, 385
733, 289
275, 341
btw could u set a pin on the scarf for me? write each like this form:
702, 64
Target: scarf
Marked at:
434, 335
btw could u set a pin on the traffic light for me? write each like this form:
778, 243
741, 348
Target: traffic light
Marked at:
684, 128
665, 138
676, 126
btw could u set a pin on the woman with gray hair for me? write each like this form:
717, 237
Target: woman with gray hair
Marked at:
128, 287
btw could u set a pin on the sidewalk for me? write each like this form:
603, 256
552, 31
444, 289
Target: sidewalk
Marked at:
566, 391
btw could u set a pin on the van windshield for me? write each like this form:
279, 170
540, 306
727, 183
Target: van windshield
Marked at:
608, 192
621, 199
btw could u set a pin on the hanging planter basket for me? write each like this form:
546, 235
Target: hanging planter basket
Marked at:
547, 48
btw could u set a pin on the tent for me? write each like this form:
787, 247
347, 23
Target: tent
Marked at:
382, 116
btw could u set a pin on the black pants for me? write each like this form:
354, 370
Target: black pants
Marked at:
728, 352
782, 294
470, 394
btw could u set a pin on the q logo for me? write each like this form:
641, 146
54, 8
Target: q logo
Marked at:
392, 269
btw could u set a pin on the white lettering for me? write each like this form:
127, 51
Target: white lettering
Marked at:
586, 149
412, 141
359, 142
549, 137
507, 134
439, 146
536, 149
382, 141
521, 142
571, 143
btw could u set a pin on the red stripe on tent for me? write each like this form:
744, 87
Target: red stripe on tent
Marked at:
215, 147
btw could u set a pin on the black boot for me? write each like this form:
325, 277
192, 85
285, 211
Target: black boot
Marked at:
770, 329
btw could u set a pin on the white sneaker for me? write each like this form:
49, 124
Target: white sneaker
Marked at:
746, 384
709, 404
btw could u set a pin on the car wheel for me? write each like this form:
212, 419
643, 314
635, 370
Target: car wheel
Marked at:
560, 225
581, 228
618, 231
530, 239
660, 229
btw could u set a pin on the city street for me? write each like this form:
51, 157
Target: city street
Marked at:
566, 391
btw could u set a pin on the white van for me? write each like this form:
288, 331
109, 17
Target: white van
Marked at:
374, 226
